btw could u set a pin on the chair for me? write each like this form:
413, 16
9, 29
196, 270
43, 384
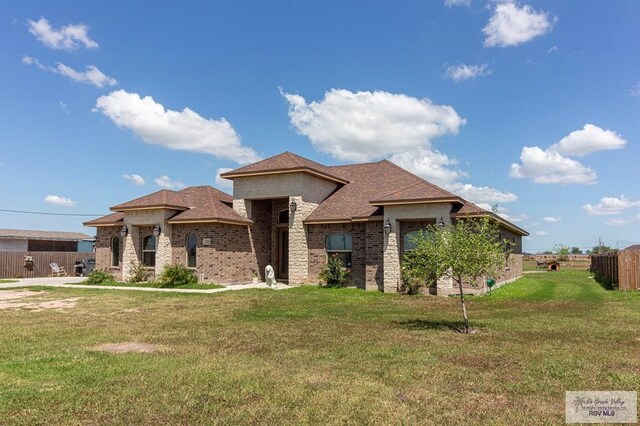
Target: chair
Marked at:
57, 271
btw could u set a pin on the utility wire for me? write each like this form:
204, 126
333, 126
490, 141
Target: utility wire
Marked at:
50, 214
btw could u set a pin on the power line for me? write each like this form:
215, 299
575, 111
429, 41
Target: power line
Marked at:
50, 214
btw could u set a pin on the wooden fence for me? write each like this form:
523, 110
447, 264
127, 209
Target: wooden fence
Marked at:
620, 269
12, 263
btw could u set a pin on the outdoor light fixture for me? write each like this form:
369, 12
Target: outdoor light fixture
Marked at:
123, 231
293, 206
387, 227
441, 222
156, 230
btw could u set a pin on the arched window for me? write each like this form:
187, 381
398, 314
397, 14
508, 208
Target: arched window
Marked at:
190, 246
340, 245
408, 243
283, 216
115, 250
149, 251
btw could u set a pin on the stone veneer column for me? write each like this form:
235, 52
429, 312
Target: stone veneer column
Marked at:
163, 249
242, 207
392, 271
298, 248
130, 252
391, 256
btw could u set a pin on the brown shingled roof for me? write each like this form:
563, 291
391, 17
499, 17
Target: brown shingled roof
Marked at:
164, 198
112, 219
372, 181
194, 204
468, 209
208, 205
286, 162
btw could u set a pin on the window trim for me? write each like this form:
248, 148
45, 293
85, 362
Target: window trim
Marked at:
350, 251
154, 251
195, 250
117, 262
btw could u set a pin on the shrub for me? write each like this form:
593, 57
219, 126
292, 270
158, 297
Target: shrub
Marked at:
138, 273
333, 273
177, 275
97, 277
412, 278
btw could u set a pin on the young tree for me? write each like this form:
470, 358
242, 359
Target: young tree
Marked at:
465, 252
562, 251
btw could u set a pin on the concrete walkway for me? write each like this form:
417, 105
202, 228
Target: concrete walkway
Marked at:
76, 282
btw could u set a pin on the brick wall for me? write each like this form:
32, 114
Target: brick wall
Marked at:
230, 257
104, 234
374, 268
317, 235
516, 247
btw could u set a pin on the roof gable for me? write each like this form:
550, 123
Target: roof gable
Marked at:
286, 162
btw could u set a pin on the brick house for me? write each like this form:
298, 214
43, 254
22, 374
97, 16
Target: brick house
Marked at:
291, 213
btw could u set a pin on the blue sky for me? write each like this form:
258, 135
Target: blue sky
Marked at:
532, 105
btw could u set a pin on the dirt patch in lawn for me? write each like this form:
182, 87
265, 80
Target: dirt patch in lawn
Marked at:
15, 299
143, 348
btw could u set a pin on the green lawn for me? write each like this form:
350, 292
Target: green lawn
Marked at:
153, 284
319, 356
8, 281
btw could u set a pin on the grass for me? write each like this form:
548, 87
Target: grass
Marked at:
316, 356
153, 284
8, 281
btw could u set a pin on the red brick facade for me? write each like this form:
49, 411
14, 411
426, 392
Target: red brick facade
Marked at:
366, 256
104, 236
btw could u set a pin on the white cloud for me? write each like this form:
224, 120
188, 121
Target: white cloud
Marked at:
165, 182
618, 221
588, 140
92, 75
610, 206
436, 168
511, 25
180, 130
222, 182
451, 3
552, 219
542, 233
465, 72
431, 165
363, 126
483, 194
64, 107
635, 90
549, 167
135, 179
552, 49
59, 201
69, 37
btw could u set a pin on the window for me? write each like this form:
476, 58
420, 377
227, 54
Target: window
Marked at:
283, 216
408, 243
149, 251
115, 250
340, 245
190, 245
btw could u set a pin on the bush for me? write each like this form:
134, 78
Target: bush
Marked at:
412, 278
177, 275
333, 273
98, 277
138, 273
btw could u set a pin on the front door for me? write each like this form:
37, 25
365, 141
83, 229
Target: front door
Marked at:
283, 254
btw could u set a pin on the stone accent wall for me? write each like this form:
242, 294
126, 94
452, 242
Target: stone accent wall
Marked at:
284, 185
393, 242
140, 223
298, 249
230, 258
103, 250
317, 256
